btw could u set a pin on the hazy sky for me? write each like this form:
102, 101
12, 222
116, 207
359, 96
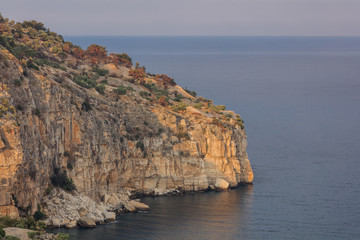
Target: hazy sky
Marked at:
190, 17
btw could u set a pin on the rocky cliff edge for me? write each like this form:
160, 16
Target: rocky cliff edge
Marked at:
89, 125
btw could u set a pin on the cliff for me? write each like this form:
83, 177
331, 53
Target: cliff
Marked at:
93, 121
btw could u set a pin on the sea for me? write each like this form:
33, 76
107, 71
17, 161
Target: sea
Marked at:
300, 100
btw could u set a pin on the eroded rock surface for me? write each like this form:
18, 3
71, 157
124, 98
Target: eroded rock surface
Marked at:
108, 143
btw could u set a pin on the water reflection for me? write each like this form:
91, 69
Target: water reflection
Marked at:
213, 215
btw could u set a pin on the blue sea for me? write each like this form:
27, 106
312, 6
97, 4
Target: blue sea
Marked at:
300, 100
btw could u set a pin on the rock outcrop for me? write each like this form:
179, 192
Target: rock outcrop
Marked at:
141, 135
221, 184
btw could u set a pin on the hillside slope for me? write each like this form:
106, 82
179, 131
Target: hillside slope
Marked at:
86, 119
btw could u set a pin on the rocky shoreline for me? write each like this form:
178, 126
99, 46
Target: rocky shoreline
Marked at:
71, 210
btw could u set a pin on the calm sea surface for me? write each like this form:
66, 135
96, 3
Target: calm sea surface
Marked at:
300, 99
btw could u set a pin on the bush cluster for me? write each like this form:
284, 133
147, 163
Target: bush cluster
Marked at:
156, 91
9, 237
145, 95
120, 90
62, 236
84, 81
100, 71
26, 223
42, 62
199, 105
2, 232
184, 135
217, 108
179, 107
32, 235
121, 59
100, 89
18, 50
5, 107
86, 106
61, 179
192, 93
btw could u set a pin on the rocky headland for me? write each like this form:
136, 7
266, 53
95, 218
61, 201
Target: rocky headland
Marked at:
83, 131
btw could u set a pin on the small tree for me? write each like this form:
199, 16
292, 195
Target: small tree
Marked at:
100, 89
1, 19
2, 232
121, 59
96, 53
166, 79
138, 73
67, 47
86, 105
78, 52
34, 24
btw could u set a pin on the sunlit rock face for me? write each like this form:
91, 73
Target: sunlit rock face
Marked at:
123, 142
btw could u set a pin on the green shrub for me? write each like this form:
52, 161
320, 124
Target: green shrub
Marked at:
100, 71
18, 82
34, 24
30, 64
48, 190
199, 105
130, 89
122, 59
192, 93
86, 105
153, 89
8, 222
37, 112
40, 225
21, 225
217, 108
60, 179
32, 235
5, 107
120, 90
100, 89
39, 215
145, 94
7, 43
178, 97
2, 19
179, 107
183, 135
218, 123
62, 236
42, 62
22, 51
84, 81
140, 145
2, 233
30, 222
9, 237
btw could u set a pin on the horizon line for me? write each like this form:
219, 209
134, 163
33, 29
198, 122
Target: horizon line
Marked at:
309, 36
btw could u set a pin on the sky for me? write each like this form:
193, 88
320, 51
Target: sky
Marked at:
191, 17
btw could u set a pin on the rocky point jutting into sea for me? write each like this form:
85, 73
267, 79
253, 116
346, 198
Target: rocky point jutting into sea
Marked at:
82, 132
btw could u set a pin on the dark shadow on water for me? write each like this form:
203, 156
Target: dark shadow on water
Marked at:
212, 215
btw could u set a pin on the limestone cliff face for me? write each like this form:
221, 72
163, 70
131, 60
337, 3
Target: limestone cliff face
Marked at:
124, 141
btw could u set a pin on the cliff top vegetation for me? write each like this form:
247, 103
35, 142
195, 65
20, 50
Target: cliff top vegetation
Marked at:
112, 75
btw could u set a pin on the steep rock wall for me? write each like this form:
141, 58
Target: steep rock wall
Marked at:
119, 143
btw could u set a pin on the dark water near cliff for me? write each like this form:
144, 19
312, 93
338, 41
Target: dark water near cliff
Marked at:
300, 99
